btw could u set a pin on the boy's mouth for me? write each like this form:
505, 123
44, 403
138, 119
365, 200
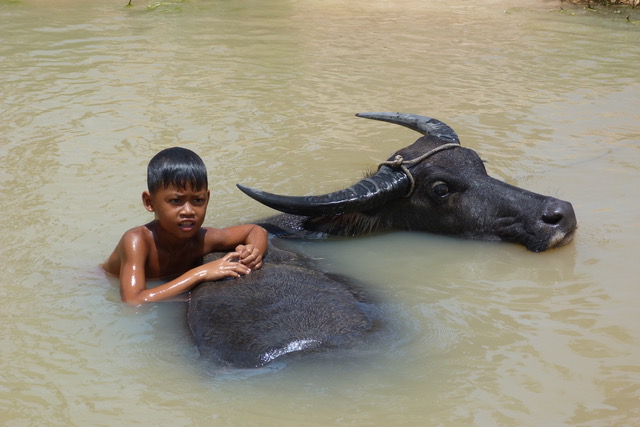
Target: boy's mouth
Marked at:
186, 225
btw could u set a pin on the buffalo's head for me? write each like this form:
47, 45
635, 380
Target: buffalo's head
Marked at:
433, 185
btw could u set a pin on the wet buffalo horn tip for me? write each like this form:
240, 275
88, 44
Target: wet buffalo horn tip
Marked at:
422, 124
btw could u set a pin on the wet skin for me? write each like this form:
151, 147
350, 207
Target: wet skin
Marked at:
174, 243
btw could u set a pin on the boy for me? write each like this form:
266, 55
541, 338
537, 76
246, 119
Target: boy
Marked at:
174, 243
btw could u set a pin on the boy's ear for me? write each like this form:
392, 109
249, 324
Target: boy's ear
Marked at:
147, 201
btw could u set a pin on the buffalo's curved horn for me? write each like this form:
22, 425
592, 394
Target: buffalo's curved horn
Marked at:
424, 125
387, 184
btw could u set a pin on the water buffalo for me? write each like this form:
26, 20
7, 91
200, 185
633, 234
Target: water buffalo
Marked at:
433, 185
287, 307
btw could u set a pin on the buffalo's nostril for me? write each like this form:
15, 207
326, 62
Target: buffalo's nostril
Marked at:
560, 213
552, 219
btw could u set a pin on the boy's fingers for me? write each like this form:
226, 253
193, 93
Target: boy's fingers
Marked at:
244, 249
241, 270
231, 255
249, 258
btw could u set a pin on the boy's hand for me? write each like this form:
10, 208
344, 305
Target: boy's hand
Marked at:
250, 256
225, 267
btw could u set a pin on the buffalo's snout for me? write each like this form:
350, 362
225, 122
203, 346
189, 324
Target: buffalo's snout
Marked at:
560, 213
559, 217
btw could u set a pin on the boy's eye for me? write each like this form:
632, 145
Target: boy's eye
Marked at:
175, 201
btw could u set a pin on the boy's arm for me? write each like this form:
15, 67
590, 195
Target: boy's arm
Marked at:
250, 241
134, 251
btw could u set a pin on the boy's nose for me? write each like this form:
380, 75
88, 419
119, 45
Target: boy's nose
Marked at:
187, 209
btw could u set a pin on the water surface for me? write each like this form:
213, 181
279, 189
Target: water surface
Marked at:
478, 333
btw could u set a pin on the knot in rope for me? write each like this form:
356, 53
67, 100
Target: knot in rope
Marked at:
399, 162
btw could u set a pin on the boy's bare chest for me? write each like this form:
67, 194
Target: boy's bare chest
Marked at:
163, 263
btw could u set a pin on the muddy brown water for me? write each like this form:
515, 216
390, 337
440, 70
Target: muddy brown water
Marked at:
478, 333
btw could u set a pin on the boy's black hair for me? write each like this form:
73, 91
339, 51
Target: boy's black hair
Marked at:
176, 166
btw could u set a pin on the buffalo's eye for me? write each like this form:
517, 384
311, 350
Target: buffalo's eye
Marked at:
440, 189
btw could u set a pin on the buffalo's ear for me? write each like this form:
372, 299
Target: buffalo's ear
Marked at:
385, 185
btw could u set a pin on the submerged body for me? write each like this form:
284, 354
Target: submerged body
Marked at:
287, 307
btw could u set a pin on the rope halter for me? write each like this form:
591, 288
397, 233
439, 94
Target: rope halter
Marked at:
400, 163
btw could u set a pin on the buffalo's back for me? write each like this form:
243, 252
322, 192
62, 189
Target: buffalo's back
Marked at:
288, 306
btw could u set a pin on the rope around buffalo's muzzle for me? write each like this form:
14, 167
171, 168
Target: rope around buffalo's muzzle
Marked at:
400, 163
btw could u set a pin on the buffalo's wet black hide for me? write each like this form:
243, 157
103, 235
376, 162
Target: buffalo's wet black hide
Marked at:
287, 307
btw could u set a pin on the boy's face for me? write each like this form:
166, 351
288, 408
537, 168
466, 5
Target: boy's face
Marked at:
179, 211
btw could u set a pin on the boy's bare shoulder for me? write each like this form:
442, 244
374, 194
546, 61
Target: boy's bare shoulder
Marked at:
135, 242
209, 234
137, 234
214, 238
132, 241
